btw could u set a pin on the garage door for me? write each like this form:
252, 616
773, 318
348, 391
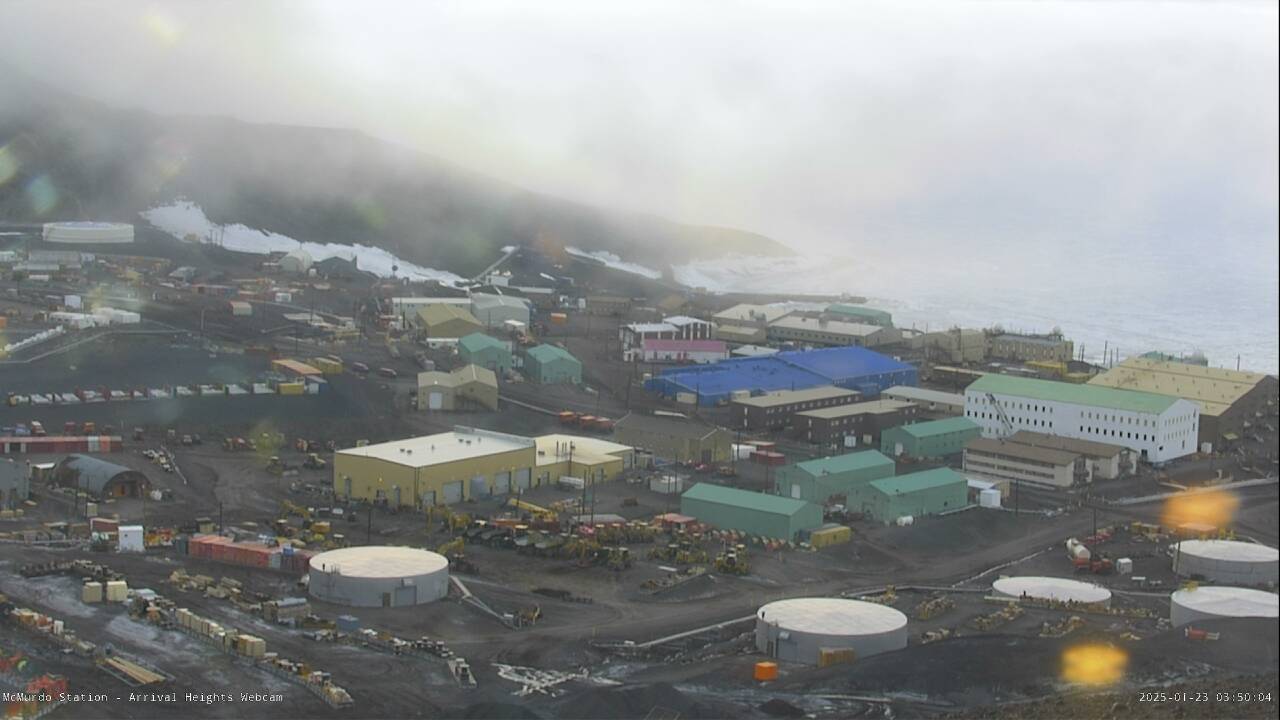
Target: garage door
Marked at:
453, 492
522, 479
479, 488
405, 596
502, 483
435, 400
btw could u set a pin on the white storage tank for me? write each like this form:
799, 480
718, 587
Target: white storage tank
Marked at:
379, 576
1052, 588
1212, 602
1226, 561
798, 630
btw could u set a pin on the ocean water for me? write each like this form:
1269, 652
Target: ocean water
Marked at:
1223, 304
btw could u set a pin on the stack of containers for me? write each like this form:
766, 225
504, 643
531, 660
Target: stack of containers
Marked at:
91, 593
117, 591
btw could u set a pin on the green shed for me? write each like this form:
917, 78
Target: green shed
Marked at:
753, 513
485, 351
548, 364
933, 439
847, 475
861, 314
924, 493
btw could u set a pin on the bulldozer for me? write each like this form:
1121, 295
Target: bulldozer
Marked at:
619, 559
278, 467
733, 561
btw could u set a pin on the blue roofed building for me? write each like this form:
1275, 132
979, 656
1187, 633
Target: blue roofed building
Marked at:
853, 368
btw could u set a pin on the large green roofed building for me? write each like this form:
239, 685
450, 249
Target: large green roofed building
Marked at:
753, 513
1159, 427
840, 476
923, 493
934, 439
1102, 397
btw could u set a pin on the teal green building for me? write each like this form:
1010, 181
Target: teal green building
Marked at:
753, 513
487, 352
933, 439
843, 475
548, 365
924, 493
861, 314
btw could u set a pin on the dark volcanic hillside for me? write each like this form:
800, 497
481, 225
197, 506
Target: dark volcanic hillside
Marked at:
79, 159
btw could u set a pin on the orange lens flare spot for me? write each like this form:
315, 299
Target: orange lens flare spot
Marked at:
1094, 664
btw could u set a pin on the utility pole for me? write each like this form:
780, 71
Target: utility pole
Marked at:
220, 526
368, 528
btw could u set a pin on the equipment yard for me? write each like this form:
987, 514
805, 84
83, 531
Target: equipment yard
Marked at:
289, 560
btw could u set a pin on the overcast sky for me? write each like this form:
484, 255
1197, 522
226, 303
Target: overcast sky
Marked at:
824, 125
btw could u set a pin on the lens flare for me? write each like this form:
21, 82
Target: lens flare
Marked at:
8, 164
1094, 664
42, 196
1214, 508
163, 28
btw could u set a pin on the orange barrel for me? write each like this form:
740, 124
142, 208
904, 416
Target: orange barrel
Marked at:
766, 671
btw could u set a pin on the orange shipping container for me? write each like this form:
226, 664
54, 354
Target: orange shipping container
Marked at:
766, 671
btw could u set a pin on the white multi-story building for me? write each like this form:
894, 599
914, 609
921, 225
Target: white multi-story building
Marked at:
1159, 427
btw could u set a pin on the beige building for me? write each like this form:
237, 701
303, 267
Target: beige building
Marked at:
1228, 399
820, 331
746, 314
592, 459
741, 334
1010, 461
1106, 461
932, 403
1021, 348
468, 387
673, 438
956, 346
468, 463
447, 321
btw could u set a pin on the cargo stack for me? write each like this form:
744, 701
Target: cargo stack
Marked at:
117, 591
91, 592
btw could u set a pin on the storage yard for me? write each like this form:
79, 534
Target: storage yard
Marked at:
291, 501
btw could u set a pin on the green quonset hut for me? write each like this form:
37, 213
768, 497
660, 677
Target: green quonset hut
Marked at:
548, 364
750, 512
847, 475
924, 493
861, 313
934, 439
487, 352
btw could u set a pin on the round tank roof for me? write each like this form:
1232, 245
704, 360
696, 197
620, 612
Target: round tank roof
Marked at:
1229, 601
1228, 550
379, 561
832, 616
1052, 588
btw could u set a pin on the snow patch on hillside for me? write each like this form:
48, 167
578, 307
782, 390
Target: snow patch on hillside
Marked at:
183, 218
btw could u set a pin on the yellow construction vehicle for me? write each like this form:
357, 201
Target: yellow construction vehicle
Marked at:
289, 508
619, 558
452, 547
535, 510
733, 561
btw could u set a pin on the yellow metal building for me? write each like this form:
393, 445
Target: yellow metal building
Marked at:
468, 463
